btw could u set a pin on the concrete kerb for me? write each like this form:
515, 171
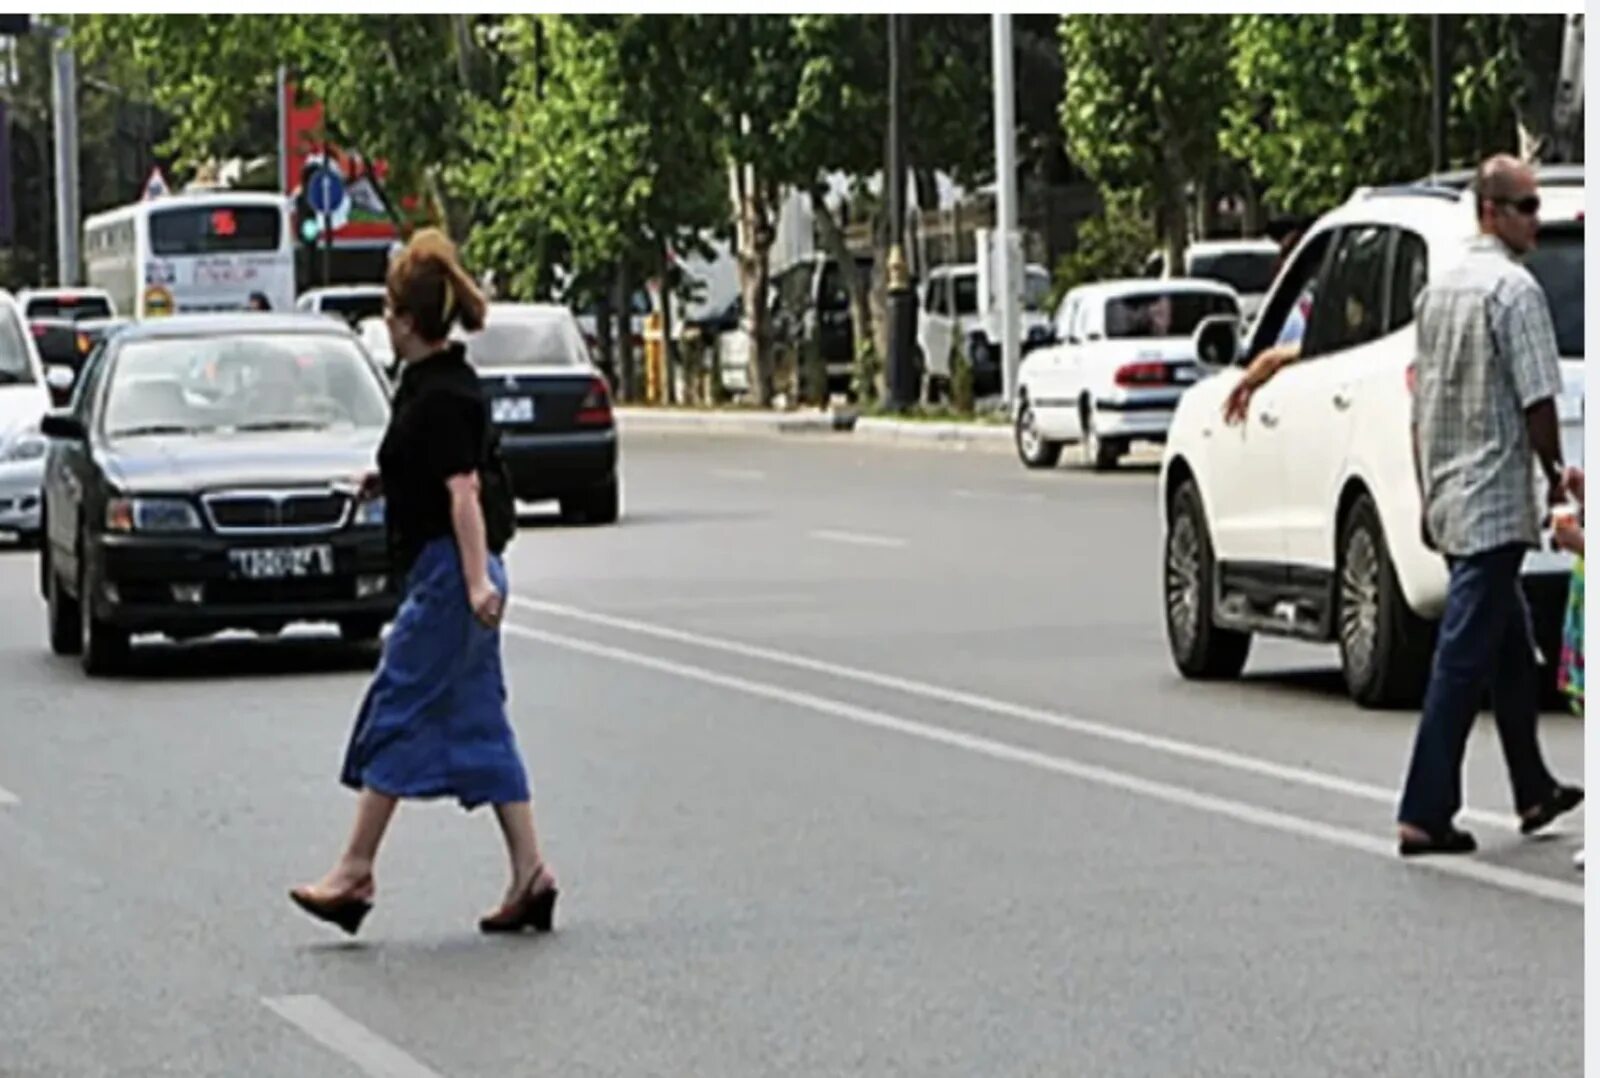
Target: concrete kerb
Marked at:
977, 436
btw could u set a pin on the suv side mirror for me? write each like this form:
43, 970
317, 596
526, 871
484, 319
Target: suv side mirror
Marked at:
1216, 341
62, 424
59, 377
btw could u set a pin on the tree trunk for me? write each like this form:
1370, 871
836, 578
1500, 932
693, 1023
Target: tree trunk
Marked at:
622, 302
668, 391
859, 287
1174, 176
605, 335
754, 201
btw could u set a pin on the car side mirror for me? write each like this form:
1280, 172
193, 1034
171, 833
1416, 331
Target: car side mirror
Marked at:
1216, 341
62, 424
59, 377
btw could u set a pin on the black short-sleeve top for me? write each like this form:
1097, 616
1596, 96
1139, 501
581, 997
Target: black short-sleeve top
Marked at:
436, 430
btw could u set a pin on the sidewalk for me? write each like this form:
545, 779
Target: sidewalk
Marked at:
928, 434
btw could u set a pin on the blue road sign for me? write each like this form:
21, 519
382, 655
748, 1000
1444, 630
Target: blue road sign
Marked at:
324, 190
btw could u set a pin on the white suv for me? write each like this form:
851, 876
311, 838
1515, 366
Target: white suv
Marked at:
1304, 521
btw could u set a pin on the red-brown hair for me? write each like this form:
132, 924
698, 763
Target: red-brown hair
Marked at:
427, 282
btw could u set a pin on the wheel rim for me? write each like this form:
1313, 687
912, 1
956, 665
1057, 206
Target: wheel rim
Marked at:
1183, 581
1091, 439
1028, 433
1358, 602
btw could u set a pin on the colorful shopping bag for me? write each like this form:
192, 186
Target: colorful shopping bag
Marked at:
1570, 677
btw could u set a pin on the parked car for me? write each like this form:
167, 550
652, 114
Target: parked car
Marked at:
1124, 357
1303, 521
953, 314
70, 303
813, 309
374, 334
551, 407
207, 476
351, 302
1246, 266
24, 400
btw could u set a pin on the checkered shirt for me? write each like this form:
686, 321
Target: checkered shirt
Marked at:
1486, 351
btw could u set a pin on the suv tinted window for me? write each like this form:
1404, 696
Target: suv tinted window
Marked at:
1557, 263
1409, 275
1348, 310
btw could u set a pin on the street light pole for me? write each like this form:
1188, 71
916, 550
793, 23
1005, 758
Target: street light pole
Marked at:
1005, 197
902, 300
66, 130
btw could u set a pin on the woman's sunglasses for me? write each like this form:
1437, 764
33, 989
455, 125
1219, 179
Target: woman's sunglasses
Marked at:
1528, 206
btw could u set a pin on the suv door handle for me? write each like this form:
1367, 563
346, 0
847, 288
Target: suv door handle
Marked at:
1342, 401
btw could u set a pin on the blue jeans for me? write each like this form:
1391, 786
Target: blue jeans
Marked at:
1485, 642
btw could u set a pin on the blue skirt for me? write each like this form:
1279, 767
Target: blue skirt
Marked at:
433, 723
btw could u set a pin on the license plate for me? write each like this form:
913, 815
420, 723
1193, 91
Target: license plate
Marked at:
512, 410
279, 563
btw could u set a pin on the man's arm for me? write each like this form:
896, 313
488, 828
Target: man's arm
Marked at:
1526, 337
1544, 434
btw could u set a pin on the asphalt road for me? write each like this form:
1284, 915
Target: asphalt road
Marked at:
852, 761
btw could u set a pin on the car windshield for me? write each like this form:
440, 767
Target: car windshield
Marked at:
1557, 262
1248, 272
1163, 314
68, 305
1035, 291
526, 342
242, 382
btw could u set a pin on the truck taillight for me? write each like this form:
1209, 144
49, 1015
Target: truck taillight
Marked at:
595, 411
1143, 374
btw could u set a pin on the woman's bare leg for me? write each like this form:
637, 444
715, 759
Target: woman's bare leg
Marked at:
522, 847
373, 813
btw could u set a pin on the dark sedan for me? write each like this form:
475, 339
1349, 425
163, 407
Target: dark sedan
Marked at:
552, 409
206, 477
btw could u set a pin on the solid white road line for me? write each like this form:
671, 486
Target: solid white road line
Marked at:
993, 495
856, 538
8, 798
343, 1035
1187, 750
1479, 871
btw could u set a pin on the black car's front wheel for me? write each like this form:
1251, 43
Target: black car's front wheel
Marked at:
105, 646
66, 630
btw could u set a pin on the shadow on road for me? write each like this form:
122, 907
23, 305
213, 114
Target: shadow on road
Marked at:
248, 658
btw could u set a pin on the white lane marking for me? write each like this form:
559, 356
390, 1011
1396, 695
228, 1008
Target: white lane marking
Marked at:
738, 473
343, 1035
8, 798
1187, 750
994, 495
1510, 879
689, 602
856, 538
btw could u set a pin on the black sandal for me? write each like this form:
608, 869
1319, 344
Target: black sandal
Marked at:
1564, 800
1448, 841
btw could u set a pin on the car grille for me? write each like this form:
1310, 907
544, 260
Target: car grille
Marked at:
240, 512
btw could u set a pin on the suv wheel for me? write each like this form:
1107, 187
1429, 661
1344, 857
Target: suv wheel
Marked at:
1101, 454
1034, 448
1200, 649
1384, 648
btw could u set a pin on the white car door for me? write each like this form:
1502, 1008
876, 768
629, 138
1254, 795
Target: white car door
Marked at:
1046, 369
937, 327
1317, 396
1247, 464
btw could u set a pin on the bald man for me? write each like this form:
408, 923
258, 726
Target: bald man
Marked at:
1484, 410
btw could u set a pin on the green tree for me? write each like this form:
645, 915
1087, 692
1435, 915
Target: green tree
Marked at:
1143, 106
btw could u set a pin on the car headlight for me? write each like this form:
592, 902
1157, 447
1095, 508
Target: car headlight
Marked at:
370, 513
29, 445
151, 515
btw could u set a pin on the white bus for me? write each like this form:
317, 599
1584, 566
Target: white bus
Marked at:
197, 251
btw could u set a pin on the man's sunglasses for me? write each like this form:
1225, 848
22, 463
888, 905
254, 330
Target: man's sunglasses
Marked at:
1528, 206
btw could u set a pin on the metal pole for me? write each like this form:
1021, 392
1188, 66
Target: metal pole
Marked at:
326, 235
1441, 94
902, 300
1005, 193
66, 124
283, 127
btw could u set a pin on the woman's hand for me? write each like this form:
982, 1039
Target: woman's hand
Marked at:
488, 605
1567, 533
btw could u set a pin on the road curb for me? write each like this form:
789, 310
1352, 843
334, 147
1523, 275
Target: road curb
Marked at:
660, 419
974, 436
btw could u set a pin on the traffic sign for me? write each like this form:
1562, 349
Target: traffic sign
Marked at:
156, 185
324, 190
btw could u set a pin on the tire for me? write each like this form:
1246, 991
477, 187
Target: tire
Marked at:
1384, 649
64, 619
1200, 649
361, 630
1100, 454
1034, 449
601, 505
105, 647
